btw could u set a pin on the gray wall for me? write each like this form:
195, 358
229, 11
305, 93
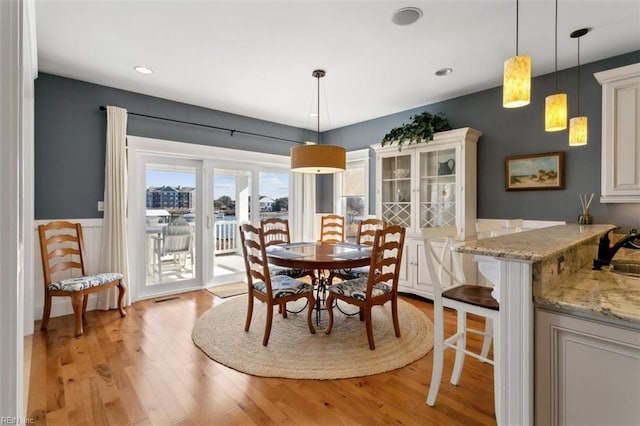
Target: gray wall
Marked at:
70, 143
70, 134
508, 132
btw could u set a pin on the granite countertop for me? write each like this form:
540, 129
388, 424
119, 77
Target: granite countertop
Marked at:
600, 295
603, 295
534, 245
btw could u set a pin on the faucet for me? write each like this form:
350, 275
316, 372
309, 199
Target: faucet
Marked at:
606, 253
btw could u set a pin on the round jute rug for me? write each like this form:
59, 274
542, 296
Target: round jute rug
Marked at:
293, 352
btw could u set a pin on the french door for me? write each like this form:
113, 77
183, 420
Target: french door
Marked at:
186, 203
172, 246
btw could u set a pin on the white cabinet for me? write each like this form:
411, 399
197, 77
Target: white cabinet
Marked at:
587, 372
620, 134
425, 185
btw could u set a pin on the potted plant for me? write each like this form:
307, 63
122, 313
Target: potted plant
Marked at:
420, 129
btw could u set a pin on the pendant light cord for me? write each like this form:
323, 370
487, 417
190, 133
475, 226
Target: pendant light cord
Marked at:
578, 76
517, 24
556, 53
318, 78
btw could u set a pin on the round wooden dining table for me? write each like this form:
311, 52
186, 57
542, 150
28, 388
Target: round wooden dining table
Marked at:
318, 256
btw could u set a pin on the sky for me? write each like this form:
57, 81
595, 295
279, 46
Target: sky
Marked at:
273, 185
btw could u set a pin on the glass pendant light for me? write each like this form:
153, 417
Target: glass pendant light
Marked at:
516, 87
555, 112
578, 125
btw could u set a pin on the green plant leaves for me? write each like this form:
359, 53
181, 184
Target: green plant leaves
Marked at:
420, 129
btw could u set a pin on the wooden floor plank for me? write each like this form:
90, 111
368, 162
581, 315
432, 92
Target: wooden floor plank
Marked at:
145, 370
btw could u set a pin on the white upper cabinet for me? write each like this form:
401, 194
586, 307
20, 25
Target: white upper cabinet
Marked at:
620, 134
429, 184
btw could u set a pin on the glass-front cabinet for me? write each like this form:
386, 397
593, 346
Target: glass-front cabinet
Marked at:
428, 185
396, 189
437, 188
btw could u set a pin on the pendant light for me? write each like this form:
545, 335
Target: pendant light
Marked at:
555, 112
578, 125
316, 158
516, 87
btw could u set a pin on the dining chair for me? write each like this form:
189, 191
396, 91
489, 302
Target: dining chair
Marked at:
487, 229
62, 252
276, 232
274, 291
451, 291
332, 228
366, 236
176, 239
381, 284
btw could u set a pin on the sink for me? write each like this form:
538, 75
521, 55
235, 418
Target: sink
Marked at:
632, 269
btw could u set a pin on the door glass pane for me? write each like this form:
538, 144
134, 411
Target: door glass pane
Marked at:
170, 223
274, 195
437, 188
396, 190
230, 208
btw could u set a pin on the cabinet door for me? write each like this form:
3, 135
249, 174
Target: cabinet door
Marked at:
423, 279
587, 373
437, 191
620, 134
396, 189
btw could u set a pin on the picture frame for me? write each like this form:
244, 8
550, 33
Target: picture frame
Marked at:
535, 171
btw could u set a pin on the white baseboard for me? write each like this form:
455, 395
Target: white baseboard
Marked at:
61, 306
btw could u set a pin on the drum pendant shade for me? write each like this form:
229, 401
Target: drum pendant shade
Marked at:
318, 159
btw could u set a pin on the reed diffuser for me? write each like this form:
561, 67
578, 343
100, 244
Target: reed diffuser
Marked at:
585, 218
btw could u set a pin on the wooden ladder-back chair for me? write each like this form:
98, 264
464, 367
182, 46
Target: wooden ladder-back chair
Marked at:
276, 291
62, 249
463, 298
332, 228
366, 236
276, 232
381, 284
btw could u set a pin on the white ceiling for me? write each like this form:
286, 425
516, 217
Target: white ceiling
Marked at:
255, 58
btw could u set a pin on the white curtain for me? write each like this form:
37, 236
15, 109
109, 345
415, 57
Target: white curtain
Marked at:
304, 207
114, 230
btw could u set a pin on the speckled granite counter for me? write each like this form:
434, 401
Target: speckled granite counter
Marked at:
537, 244
602, 295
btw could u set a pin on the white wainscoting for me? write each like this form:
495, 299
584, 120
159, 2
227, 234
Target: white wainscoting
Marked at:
92, 233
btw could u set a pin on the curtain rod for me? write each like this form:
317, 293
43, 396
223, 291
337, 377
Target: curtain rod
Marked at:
231, 131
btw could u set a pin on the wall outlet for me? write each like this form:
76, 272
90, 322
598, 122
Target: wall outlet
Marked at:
100, 206
560, 264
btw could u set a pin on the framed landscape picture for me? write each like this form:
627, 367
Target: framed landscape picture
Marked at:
535, 171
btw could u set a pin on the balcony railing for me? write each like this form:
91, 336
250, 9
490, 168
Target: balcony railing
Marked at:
226, 234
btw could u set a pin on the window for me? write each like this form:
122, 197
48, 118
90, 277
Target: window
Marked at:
352, 191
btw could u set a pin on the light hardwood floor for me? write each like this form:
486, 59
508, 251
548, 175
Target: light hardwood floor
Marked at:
145, 370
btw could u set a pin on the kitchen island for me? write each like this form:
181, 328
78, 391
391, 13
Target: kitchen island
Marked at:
520, 266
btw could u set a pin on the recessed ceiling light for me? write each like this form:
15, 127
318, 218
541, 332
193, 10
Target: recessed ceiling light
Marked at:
406, 16
143, 70
444, 71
